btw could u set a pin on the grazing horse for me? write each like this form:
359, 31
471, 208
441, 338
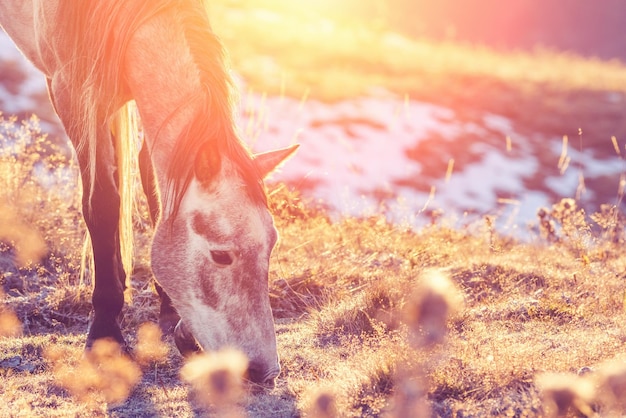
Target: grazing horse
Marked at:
214, 233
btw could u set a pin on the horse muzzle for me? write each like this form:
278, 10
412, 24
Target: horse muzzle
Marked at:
258, 372
185, 341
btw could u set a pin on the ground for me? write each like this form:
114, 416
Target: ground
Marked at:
451, 317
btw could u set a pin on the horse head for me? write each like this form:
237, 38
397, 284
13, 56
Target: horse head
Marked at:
212, 259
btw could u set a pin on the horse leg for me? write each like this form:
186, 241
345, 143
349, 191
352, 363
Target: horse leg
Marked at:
148, 182
168, 317
101, 214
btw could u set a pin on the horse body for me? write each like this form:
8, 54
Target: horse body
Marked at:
18, 20
212, 245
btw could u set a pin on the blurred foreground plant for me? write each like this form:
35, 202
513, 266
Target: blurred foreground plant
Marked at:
217, 379
565, 393
430, 307
602, 392
103, 370
433, 303
150, 347
10, 325
611, 384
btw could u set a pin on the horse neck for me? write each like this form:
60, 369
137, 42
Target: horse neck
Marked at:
162, 80
171, 88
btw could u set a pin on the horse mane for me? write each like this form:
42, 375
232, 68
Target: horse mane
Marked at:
214, 118
99, 33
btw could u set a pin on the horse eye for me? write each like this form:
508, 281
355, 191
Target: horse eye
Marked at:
222, 258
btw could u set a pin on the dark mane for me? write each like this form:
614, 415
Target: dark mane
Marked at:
101, 31
214, 118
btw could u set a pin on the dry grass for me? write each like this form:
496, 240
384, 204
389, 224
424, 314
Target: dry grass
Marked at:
373, 319
295, 42
313, 52
530, 308
363, 328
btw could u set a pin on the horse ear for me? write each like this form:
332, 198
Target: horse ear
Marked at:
269, 161
208, 163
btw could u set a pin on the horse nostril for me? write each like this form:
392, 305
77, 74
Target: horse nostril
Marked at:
260, 375
185, 341
269, 383
256, 372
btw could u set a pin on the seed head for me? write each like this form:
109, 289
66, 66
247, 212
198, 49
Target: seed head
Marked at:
10, 326
323, 404
103, 370
150, 347
563, 393
410, 400
432, 303
216, 377
29, 245
612, 385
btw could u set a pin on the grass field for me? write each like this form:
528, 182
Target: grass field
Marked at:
373, 319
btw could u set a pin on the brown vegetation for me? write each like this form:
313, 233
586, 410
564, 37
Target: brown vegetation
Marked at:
373, 319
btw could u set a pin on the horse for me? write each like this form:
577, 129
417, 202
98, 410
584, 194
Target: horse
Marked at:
213, 230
